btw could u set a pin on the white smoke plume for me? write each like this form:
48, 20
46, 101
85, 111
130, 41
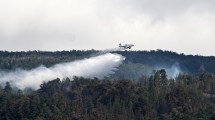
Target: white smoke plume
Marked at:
98, 66
114, 49
173, 71
109, 50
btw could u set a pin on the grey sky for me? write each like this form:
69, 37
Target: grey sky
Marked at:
184, 26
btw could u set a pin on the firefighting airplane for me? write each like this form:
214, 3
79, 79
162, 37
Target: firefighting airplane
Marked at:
126, 46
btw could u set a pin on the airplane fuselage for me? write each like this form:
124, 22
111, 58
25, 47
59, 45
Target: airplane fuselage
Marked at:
126, 46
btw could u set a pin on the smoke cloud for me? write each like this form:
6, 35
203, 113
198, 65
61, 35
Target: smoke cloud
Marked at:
109, 50
98, 66
172, 71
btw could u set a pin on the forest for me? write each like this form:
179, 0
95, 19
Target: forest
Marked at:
150, 60
124, 95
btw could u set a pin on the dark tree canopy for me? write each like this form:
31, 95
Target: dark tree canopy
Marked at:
188, 97
191, 95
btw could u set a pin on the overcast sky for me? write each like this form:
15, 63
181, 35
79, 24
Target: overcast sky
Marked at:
183, 26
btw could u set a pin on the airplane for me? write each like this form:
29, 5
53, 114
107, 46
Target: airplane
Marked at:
126, 46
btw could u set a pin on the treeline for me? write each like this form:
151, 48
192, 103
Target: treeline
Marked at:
156, 97
32, 59
188, 63
151, 59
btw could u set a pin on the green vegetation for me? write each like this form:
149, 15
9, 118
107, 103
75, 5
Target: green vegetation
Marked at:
32, 59
190, 95
147, 59
157, 97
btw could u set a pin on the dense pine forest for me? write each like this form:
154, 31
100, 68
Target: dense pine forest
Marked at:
140, 90
147, 59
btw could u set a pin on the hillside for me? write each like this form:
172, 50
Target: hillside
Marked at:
187, 97
140, 89
136, 64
